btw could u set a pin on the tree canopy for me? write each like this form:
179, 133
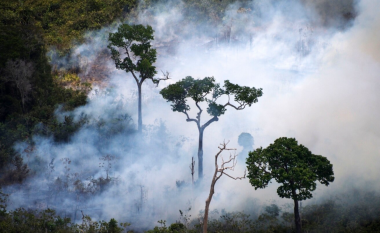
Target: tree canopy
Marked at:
135, 42
291, 165
207, 91
62, 21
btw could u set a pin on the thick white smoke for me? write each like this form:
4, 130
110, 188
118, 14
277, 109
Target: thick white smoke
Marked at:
320, 86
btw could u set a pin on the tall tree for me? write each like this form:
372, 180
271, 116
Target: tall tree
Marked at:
207, 91
135, 42
229, 164
291, 165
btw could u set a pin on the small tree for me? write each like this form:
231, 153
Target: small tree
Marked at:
206, 90
292, 165
139, 56
219, 171
106, 164
19, 72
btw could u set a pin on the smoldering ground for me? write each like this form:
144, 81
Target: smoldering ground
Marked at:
320, 86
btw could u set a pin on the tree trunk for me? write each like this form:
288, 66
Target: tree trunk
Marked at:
139, 110
192, 170
200, 155
297, 218
208, 200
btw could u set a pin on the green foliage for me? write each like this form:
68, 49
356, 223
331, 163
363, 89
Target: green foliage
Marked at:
291, 165
206, 90
177, 227
352, 211
242, 94
12, 168
16, 173
61, 21
159, 229
135, 40
231, 222
173, 228
68, 78
63, 130
196, 89
3, 204
30, 109
349, 211
257, 165
21, 220
100, 226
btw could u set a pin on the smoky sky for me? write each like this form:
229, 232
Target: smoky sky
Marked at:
320, 73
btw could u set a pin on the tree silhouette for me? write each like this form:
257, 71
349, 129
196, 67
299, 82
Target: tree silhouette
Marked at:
291, 165
207, 91
139, 56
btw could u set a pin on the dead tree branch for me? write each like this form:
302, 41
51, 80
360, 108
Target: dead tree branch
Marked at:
219, 171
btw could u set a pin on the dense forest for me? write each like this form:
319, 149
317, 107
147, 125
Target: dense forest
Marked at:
82, 149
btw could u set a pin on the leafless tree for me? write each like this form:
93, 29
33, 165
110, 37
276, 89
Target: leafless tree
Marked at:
192, 166
219, 171
107, 164
19, 72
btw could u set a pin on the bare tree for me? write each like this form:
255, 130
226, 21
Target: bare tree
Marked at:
19, 72
219, 171
192, 165
107, 167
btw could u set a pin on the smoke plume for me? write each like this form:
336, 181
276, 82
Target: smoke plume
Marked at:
318, 63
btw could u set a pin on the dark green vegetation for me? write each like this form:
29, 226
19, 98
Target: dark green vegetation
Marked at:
135, 41
291, 165
60, 22
22, 220
207, 91
352, 211
29, 91
349, 212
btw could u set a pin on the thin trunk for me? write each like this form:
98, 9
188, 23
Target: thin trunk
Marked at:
297, 218
200, 155
139, 110
300, 212
208, 201
192, 170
